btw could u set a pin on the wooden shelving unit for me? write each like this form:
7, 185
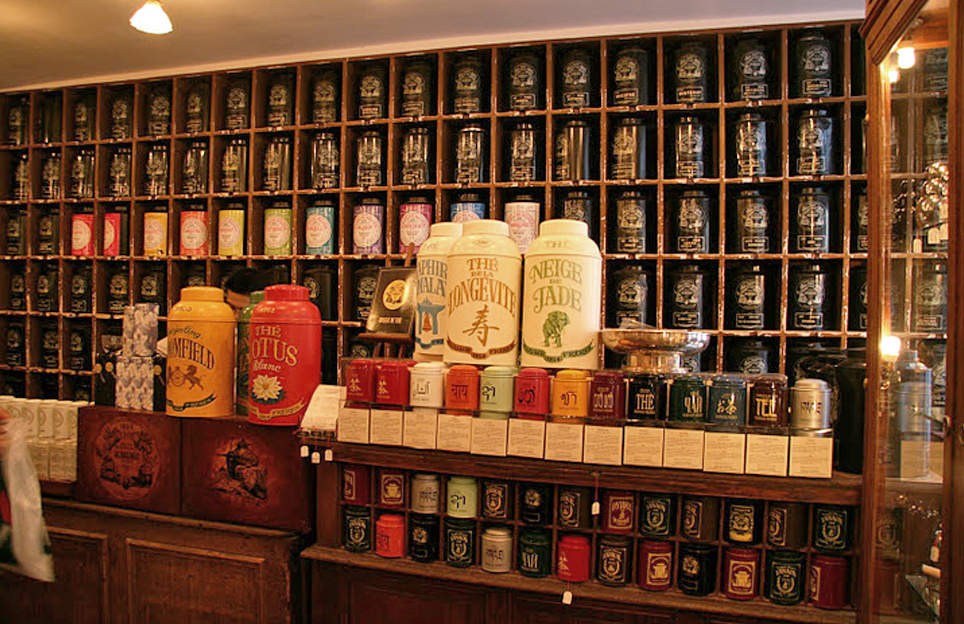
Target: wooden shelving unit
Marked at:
842, 490
847, 106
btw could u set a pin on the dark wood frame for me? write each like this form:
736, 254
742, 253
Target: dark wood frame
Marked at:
886, 22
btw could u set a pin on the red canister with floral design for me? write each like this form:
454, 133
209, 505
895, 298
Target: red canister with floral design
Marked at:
285, 360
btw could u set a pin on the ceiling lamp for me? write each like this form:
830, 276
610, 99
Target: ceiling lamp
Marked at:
151, 19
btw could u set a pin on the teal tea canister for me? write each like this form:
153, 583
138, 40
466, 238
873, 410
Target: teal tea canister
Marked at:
496, 391
727, 400
244, 350
462, 494
687, 399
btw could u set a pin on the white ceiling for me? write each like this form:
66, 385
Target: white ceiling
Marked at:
57, 42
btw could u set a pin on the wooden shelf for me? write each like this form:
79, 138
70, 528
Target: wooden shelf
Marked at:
670, 599
661, 190
842, 489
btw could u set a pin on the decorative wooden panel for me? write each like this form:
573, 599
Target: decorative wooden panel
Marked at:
78, 596
169, 583
376, 598
528, 609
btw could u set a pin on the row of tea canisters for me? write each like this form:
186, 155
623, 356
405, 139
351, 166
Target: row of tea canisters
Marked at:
607, 397
743, 573
750, 76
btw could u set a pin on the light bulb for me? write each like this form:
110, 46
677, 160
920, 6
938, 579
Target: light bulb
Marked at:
151, 19
893, 75
906, 57
890, 347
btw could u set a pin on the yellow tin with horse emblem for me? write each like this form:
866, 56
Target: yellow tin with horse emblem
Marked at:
200, 354
562, 290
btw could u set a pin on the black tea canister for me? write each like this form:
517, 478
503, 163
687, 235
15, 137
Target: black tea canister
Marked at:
631, 77
325, 102
575, 79
689, 142
535, 553
696, 575
810, 222
467, 80
691, 225
631, 222
691, 73
525, 82
372, 92
628, 150
747, 299
814, 65
751, 68
809, 298
418, 90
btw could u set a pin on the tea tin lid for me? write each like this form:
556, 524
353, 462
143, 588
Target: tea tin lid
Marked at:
499, 371
256, 297
429, 369
202, 293
425, 476
463, 370
534, 537
456, 480
770, 378
608, 377
485, 227
574, 540
788, 556
286, 292
390, 520
556, 227
731, 381
572, 375
658, 546
812, 385
827, 560
498, 532
446, 229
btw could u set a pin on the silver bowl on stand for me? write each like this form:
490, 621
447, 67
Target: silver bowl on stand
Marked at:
650, 350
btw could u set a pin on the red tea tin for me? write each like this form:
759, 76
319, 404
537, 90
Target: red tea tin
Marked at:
391, 382
462, 388
194, 233
618, 511
607, 398
355, 484
532, 394
82, 234
390, 535
741, 573
391, 488
360, 381
655, 565
828, 582
285, 356
572, 561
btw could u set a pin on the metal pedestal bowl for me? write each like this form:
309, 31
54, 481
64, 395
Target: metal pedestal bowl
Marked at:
654, 350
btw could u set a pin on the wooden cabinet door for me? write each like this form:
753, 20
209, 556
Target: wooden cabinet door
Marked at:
79, 595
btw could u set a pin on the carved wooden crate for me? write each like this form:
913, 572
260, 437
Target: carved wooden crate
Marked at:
234, 471
129, 459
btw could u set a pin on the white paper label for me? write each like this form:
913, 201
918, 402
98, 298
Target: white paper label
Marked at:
643, 446
527, 438
421, 427
811, 457
386, 427
683, 448
454, 433
603, 445
767, 454
564, 442
489, 437
353, 425
724, 452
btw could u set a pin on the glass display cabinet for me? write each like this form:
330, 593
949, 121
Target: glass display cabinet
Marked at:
912, 493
